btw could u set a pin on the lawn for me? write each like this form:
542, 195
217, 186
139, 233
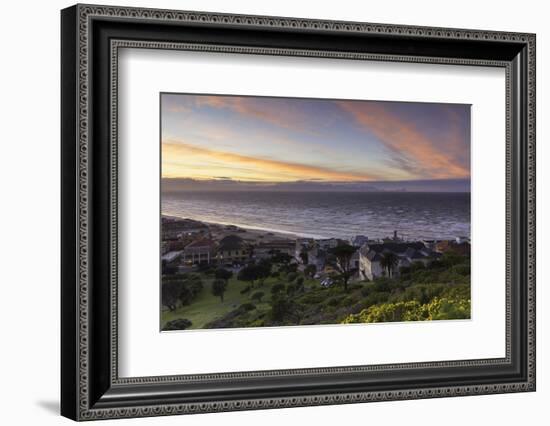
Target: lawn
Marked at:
206, 307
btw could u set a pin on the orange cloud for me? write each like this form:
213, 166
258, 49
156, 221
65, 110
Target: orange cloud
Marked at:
416, 149
273, 113
177, 156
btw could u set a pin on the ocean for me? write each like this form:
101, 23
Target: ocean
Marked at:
330, 214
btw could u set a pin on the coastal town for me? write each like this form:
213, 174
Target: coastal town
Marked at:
188, 244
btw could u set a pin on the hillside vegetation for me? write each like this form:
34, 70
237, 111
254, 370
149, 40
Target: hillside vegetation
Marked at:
277, 294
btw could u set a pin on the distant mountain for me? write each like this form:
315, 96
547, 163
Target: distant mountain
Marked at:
436, 185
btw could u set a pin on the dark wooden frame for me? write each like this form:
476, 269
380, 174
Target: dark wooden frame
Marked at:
90, 386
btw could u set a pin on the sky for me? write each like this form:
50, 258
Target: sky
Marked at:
271, 141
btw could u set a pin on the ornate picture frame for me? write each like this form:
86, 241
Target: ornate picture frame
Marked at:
91, 37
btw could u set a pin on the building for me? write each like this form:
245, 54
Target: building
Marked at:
446, 246
178, 244
264, 250
175, 228
359, 240
371, 257
430, 244
200, 251
328, 243
232, 249
171, 257
356, 259
370, 263
318, 257
303, 245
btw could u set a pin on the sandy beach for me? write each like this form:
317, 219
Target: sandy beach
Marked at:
251, 235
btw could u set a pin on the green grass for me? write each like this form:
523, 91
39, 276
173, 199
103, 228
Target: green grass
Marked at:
206, 307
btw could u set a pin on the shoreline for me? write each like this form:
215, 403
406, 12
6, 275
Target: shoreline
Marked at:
255, 233
258, 233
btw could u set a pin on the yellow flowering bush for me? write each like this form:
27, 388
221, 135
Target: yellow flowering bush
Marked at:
437, 309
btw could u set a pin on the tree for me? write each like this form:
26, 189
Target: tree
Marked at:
263, 270
249, 273
169, 268
292, 268
180, 288
257, 296
291, 276
218, 288
389, 262
279, 307
277, 288
291, 289
283, 258
342, 255
223, 274
304, 256
171, 294
310, 271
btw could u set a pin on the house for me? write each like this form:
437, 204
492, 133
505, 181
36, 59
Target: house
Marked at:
407, 253
179, 244
359, 240
264, 250
355, 259
174, 228
317, 257
171, 257
328, 243
445, 246
430, 244
303, 245
199, 251
232, 249
370, 263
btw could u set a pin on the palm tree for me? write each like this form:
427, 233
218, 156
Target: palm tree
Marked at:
389, 262
342, 255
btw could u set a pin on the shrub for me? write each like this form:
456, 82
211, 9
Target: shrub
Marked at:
450, 259
381, 285
277, 288
437, 309
223, 274
333, 301
245, 307
257, 296
444, 309
218, 287
310, 271
388, 312
291, 289
246, 290
312, 298
461, 269
376, 297
279, 307
178, 324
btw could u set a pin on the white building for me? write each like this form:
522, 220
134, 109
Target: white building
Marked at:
371, 256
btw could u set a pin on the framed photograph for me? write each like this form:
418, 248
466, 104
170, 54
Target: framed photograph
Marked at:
263, 212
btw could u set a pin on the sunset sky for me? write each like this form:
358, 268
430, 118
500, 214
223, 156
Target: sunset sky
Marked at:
258, 139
